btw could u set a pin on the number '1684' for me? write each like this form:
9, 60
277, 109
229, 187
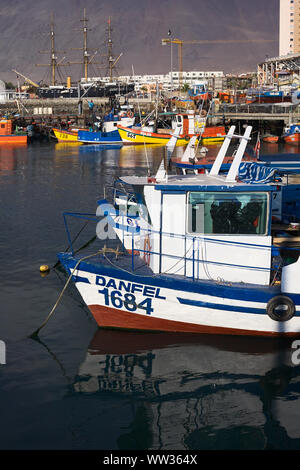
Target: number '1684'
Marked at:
117, 300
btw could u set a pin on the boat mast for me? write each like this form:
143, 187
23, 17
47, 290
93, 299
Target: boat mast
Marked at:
53, 57
111, 61
110, 56
85, 49
87, 59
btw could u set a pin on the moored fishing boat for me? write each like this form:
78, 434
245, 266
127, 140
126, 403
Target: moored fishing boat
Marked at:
201, 252
190, 123
141, 136
109, 133
291, 134
66, 135
106, 131
8, 136
270, 138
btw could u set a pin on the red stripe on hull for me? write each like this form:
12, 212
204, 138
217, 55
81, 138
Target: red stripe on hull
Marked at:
114, 318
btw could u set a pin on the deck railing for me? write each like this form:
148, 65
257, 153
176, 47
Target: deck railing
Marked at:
190, 260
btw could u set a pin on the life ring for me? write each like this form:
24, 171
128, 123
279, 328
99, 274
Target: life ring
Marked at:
147, 248
187, 138
130, 114
281, 308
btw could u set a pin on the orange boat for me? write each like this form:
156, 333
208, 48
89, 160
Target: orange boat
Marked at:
271, 139
7, 136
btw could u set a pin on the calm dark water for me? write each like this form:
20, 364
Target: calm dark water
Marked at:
80, 387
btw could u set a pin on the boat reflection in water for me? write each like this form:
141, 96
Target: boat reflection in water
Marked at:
10, 154
133, 156
197, 391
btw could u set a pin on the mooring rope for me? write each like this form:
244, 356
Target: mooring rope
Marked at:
36, 332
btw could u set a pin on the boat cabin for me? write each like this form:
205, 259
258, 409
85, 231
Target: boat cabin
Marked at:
6, 127
190, 123
204, 226
211, 226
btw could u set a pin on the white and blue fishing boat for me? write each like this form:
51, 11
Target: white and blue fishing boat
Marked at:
109, 133
201, 252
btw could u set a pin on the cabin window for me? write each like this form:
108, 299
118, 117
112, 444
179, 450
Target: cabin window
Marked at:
227, 213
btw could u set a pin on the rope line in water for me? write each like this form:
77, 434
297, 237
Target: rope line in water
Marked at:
36, 332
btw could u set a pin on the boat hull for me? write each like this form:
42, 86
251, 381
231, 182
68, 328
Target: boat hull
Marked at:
66, 136
213, 135
271, 139
292, 138
13, 139
89, 137
119, 299
137, 136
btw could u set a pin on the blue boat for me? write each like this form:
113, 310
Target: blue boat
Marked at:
109, 133
99, 137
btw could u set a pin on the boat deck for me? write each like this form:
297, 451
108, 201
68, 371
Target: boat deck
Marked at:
134, 268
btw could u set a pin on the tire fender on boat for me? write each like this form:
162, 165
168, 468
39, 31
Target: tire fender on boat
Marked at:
187, 138
286, 310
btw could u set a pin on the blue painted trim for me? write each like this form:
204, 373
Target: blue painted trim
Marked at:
231, 308
214, 188
80, 279
245, 292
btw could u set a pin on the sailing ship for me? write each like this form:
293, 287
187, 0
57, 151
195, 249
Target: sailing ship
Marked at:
201, 253
88, 88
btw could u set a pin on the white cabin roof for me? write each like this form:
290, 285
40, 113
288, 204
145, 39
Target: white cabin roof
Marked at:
204, 181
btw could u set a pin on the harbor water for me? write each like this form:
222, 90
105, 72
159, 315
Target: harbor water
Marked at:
79, 387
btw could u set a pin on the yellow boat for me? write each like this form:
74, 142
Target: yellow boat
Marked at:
130, 135
63, 135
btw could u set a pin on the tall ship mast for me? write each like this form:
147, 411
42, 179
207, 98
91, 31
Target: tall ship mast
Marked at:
53, 55
96, 88
87, 58
112, 62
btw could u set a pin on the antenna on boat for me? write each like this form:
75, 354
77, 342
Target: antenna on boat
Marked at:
163, 167
140, 116
234, 168
222, 152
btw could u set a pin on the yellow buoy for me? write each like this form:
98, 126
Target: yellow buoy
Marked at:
44, 268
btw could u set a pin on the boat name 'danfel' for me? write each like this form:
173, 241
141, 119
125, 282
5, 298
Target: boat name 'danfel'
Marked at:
117, 284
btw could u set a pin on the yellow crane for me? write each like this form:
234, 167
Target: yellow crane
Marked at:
180, 43
27, 79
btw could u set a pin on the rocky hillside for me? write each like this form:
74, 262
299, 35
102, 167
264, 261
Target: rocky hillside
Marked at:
138, 26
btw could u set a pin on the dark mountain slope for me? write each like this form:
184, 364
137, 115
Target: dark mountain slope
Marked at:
138, 26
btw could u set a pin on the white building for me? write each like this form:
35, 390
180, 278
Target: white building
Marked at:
167, 81
7, 95
289, 23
